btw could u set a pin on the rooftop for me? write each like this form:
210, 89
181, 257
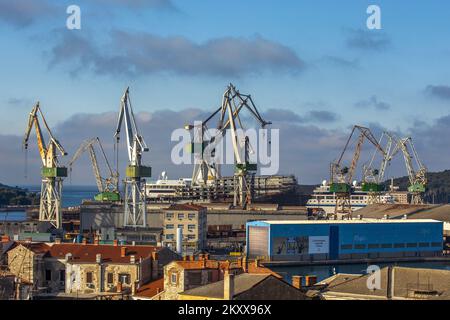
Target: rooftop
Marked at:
242, 283
354, 221
150, 289
185, 207
412, 283
87, 253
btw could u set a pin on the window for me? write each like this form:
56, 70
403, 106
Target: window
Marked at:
62, 275
436, 244
181, 216
399, 245
360, 246
124, 278
374, 245
346, 247
48, 275
191, 216
191, 237
173, 278
169, 236
424, 244
88, 277
180, 226
191, 227
386, 245
110, 278
411, 245
169, 226
169, 215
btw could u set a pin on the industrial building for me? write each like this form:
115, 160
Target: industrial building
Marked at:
343, 239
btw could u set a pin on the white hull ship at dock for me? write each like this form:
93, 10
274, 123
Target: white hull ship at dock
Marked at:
322, 199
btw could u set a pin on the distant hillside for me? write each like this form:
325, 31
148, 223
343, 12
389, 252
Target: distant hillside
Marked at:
16, 196
438, 190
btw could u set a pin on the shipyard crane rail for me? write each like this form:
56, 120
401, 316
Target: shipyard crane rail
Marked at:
135, 197
108, 187
52, 173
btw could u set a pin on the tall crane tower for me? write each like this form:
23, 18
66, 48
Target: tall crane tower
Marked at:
373, 176
417, 178
108, 188
52, 173
135, 204
341, 176
205, 169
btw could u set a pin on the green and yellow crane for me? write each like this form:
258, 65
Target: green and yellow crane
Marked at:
52, 172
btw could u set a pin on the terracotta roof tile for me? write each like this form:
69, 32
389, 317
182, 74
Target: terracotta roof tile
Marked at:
110, 253
150, 289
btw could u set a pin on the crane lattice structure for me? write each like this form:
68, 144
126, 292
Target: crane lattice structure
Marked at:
373, 176
417, 178
135, 195
341, 176
52, 173
206, 170
108, 188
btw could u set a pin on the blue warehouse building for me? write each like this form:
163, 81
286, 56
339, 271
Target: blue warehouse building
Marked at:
307, 240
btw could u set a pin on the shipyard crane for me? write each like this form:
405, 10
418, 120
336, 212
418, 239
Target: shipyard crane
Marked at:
373, 177
417, 178
135, 204
205, 169
52, 173
341, 176
108, 188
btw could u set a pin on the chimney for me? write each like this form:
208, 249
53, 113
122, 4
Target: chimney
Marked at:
185, 258
115, 242
360, 217
297, 281
154, 255
119, 286
256, 263
98, 258
68, 256
228, 285
405, 217
132, 259
133, 243
386, 217
191, 257
123, 252
57, 240
244, 264
310, 281
84, 242
96, 241
5, 238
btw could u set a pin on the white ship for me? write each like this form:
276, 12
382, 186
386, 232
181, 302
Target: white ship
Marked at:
165, 189
323, 199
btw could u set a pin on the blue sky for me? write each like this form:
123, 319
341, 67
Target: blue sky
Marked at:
298, 56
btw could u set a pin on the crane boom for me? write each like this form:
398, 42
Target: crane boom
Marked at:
108, 187
135, 197
52, 173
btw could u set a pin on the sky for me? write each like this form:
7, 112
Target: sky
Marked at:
313, 68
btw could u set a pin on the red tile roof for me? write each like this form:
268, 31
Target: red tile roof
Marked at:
151, 289
36, 247
110, 253
185, 207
